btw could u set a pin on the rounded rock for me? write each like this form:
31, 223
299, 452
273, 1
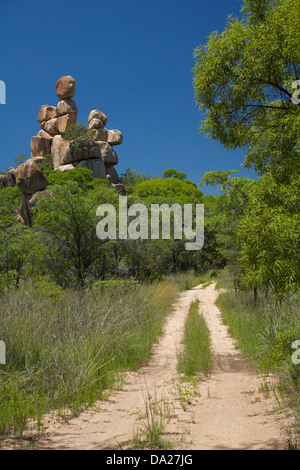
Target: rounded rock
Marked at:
65, 87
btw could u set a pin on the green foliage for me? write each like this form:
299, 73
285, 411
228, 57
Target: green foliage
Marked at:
81, 138
78, 131
243, 82
66, 223
262, 333
20, 159
256, 10
265, 335
47, 164
15, 241
131, 178
81, 176
257, 229
268, 236
215, 178
171, 173
172, 189
65, 348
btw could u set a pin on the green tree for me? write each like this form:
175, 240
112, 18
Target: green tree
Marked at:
16, 242
20, 159
131, 178
243, 81
181, 191
66, 222
225, 214
268, 236
172, 173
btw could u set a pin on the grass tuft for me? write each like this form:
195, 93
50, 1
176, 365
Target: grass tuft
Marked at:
196, 357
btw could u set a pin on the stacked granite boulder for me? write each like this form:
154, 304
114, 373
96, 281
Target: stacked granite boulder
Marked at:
55, 120
98, 155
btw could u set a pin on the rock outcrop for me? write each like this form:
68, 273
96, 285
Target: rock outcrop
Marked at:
54, 120
30, 180
99, 155
95, 152
9, 179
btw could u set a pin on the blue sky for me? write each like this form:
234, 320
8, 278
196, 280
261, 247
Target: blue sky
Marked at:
132, 60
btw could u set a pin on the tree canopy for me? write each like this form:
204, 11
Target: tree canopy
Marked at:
243, 82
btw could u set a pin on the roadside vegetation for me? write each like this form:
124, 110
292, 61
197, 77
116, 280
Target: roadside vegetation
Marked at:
66, 349
196, 359
266, 333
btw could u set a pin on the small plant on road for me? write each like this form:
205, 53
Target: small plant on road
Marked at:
150, 433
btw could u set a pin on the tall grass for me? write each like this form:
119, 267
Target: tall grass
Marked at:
265, 334
190, 279
65, 349
196, 357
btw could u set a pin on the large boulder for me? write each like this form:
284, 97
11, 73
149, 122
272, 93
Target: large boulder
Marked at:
96, 165
111, 157
46, 113
111, 174
25, 215
51, 126
30, 179
63, 168
3, 181
65, 87
38, 159
112, 137
59, 148
97, 120
96, 124
11, 177
65, 121
66, 106
45, 135
83, 151
40, 146
65, 152
107, 154
120, 188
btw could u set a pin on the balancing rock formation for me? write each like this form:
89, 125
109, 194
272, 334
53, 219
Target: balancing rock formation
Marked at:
100, 157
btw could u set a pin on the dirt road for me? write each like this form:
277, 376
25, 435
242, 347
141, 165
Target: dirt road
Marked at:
227, 411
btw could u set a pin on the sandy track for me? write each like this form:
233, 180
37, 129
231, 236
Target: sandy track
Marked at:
225, 412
